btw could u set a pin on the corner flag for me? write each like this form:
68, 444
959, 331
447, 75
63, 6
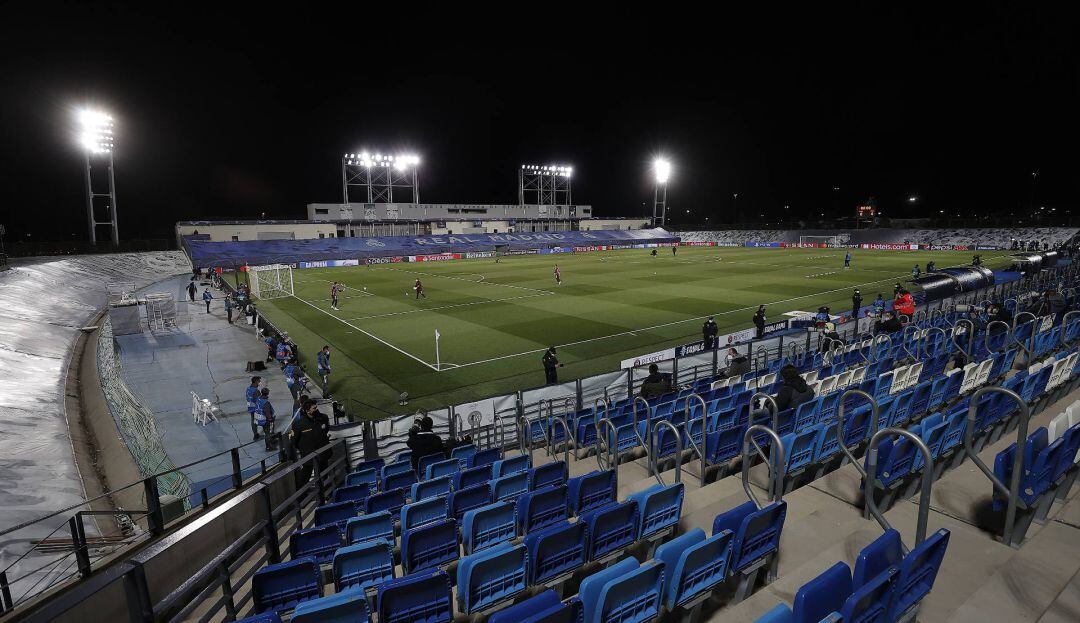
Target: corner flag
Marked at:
438, 365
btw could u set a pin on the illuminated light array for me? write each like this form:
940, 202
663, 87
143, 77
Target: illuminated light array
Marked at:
96, 135
663, 170
364, 159
558, 170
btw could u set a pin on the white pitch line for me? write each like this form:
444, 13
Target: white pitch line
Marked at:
345, 287
372, 336
431, 309
676, 322
486, 283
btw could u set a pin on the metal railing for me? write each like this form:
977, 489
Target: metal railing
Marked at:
841, 406
654, 434
702, 450
870, 479
775, 462
648, 427
611, 452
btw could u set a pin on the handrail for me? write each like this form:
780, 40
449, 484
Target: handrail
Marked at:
525, 436
916, 316
612, 453
654, 434
877, 340
926, 336
648, 426
868, 344
904, 341
1029, 347
1012, 492
765, 358
475, 419
927, 479
703, 448
596, 413
775, 407
1016, 319
775, 463
1065, 325
566, 444
840, 408
986, 337
971, 336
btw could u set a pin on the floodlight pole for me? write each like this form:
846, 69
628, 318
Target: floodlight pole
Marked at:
90, 195
660, 203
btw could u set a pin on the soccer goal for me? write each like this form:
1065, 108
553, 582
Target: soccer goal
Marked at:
819, 240
270, 282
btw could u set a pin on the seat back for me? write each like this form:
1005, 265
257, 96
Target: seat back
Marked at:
488, 526
758, 533
391, 501
486, 578
487, 456
463, 452
367, 476
397, 467
508, 488
363, 565
403, 480
542, 507
591, 588
591, 490
660, 507
429, 546
555, 550
423, 512
546, 475
800, 448
368, 527
511, 465
543, 608
472, 476
611, 527
463, 500
442, 468
336, 514
822, 595
339, 608
427, 461
917, 573
874, 559
431, 488
280, 587
418, 598
319, 542
693, 565
633, 597
869, 603
352, 493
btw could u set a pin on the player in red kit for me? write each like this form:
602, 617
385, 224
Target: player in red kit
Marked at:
558, 275
419, 287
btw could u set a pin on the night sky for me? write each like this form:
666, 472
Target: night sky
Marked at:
235, 114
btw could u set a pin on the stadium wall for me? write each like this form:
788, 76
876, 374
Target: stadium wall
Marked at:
897, 239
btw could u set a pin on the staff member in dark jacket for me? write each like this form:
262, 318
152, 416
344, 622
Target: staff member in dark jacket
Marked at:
856, 303
709, 331
759, 321
656, 384
551, 363
309, 432
737, 364
423, 442
794, 391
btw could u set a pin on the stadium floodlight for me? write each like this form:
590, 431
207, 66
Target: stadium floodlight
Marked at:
380, 174
544, 184
96, 140
663, 170
912, 199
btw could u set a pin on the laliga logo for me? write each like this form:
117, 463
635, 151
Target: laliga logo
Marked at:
375, 243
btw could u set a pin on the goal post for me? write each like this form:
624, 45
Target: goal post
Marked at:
270, 282
819, 240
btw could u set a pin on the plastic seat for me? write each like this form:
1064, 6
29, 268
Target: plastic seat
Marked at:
508, 488
391, 501
511, 465
427, 461
542, 507
319, 543
660, 508
876, 558
442, 468
489, 577
404, 480
917, 574
611, 528
473, 476
423, 512
591, 490
368, 476
543, 608
348, 607
281, 587
547, 475
488, 526
822, 595
693, 565
363, 565
405, 456
429, 546
487, 456
800, 449
464, 500
397, 467
623, 593
431, 488
463, 453
266, 617
555, 550
336, 514
369, 527
418, 598
757, 532
869, 603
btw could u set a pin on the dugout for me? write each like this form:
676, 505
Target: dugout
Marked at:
950, 282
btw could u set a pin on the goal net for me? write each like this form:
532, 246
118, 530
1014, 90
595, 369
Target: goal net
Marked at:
270, 282
818, 241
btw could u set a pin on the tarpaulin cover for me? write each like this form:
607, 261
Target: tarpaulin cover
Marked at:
262, 252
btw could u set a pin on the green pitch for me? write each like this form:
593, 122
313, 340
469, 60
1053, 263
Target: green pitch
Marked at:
496, 319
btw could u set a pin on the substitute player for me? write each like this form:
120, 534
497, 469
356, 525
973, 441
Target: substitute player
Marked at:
335, 289
558, 275
419, 287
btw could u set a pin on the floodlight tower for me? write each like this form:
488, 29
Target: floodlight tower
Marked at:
544, 184
662, 169
379, 174
96, 138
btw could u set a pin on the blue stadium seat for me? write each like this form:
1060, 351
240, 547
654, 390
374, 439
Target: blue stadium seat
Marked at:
826, 445
281, 587
757, 532
473, 476
917, 574
724, 445
397, 467
368, 476
404, 480
463, 453
318, 543
869, 603
508, 488
348, 607
623, 593
463, 500
431, 488
429, 546
693, 565
336, 514
423, 512
352, 493
266, 617
489, 577
555, 550
800, 450
405, 456
590, 491
660, 508
442, 468
611, 528
488, 526
895, 457
511, 465
542, 507
806, 414
822, 595
543, 608
547, 475
487, 456
363, 565
391, 501
427, 461
372, 526
920, 397
375, 464
418, 598
1040, 464
876, 558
